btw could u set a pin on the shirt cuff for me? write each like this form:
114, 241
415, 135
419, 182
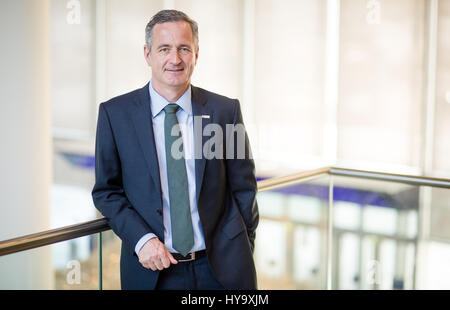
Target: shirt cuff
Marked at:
142, 241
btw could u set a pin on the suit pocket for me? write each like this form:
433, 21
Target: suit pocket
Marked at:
233, 227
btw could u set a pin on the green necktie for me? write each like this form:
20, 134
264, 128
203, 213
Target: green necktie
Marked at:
180, 211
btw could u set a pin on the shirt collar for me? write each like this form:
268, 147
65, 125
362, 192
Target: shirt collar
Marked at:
158, 102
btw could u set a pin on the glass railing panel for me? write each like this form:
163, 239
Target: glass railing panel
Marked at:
438, 207
66, 265
111, 246
434, 242
290, 248
375, 234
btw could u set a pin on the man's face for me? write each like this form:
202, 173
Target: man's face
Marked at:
173, 55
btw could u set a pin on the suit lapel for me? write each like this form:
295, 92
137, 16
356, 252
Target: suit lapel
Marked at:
202, 114
142, 119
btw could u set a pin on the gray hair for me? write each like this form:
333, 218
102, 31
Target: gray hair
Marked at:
166, 16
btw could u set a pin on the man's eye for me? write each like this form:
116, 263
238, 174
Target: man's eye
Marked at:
164, 50
184, 50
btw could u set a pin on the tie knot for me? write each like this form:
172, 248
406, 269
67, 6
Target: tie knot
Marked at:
171, 108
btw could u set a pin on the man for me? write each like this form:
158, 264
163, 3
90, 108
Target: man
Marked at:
186, 222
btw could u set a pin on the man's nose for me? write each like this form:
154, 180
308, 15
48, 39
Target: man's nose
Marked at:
175, 57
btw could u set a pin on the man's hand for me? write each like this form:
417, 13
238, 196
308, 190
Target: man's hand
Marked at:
154, 255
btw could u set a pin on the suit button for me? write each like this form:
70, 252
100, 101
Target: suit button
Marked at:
159, 211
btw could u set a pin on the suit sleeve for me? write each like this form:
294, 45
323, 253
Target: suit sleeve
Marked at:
241, 174
108, 193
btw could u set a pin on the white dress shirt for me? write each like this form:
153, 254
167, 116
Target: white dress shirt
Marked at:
186, 120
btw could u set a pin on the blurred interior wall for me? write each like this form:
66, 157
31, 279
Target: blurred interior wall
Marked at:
272, 56
441, 143
381, 84
25, 160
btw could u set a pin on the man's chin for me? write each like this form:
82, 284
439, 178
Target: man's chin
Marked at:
177, 83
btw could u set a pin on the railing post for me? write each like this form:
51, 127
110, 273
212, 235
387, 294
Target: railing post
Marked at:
330, 236
100, 262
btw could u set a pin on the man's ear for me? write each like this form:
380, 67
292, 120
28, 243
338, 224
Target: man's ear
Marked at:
196, 55
147, 55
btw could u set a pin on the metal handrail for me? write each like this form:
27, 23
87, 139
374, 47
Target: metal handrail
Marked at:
87, 228
391, 177
47, 237
292, 179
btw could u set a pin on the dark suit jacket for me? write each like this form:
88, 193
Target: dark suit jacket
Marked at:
128, 193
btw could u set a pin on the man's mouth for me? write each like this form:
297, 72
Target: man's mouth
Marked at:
175, 70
